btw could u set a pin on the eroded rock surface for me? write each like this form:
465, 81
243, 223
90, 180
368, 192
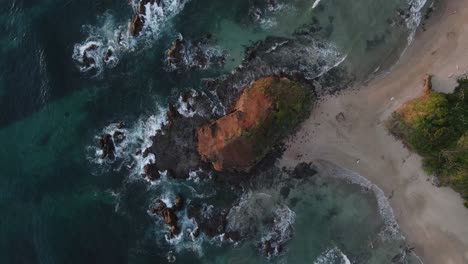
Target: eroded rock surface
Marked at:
263, 114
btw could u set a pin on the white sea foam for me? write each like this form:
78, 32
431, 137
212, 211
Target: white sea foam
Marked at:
137, 137
391, 229
333, 255
327, 52
316, 3
250, 214
282, 229
267, 18
413, 21
116, 37
197, 55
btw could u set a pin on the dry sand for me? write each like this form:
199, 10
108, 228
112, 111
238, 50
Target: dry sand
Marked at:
433, 219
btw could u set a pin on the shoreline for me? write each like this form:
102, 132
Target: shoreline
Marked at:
432, 219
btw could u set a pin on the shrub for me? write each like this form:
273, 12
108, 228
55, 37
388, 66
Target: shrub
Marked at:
436, 127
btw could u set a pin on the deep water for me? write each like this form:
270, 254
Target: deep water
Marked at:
59, 203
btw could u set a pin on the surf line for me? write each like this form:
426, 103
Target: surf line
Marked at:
315, 4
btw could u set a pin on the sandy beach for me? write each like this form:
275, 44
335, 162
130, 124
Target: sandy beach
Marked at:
433, 219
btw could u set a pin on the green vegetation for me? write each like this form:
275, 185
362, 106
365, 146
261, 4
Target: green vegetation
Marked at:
436, 127
291, 102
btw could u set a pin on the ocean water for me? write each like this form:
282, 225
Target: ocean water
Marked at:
60, 203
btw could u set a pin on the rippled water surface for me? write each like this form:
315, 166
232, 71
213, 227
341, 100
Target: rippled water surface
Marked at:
60, 203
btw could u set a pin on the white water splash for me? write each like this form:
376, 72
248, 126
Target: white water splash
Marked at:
316, 3
333, 255
414, 20
137, 137
117, 38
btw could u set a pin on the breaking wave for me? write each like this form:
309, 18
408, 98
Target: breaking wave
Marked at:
137, 138
415, 16
391, 229
107, 42
332, 256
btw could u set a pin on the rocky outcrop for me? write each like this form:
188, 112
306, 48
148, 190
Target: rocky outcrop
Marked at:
137, 23
211, 221
197, 54
151, 172
168, 214
427, 83
106, 144
264, 113
175, 145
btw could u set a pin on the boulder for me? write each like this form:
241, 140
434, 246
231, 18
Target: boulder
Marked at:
178, 203
174, 53
304, 170
265, 112
118, 137
159, 207
172, 113
151, 171
106, 144
136, 26
170, 218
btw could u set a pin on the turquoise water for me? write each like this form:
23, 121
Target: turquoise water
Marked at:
60, 204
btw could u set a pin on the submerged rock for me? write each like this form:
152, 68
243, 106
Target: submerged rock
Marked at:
264, 113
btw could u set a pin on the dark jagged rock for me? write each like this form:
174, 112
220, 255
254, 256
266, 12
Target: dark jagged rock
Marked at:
146, 152
159, 207
106, 144
137, 23
174, 53
173, 230
178, 203
88, 61
176, 147
170, 218
187, 54
136, 26
151, 172
120, 125
118, 137
211, 223
275, 56
168, 215
304, 170
108, 55
172, 114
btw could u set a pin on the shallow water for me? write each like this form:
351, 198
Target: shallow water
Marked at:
60, 204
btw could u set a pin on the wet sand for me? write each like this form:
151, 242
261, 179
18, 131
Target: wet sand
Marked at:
433, 219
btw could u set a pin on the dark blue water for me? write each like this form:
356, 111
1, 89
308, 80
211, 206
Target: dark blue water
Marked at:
57, 205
